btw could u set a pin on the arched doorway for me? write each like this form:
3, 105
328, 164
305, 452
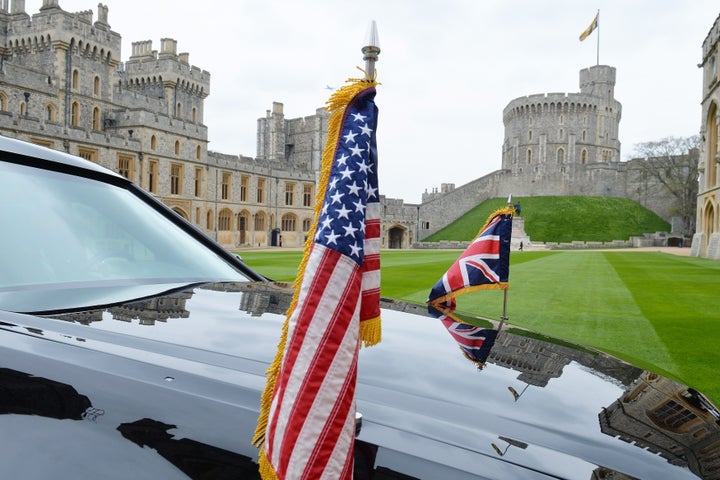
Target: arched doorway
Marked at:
396, 236
708, 227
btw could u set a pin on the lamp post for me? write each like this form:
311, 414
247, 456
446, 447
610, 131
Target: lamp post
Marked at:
371, 50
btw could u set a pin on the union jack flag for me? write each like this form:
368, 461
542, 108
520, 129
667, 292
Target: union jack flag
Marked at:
485, 264
475, 342
310, 424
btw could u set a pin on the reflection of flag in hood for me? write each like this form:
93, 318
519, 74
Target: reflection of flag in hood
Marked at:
475, 342
485, 264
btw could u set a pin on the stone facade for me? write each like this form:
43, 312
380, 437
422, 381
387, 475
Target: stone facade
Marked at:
706, 242
556, 144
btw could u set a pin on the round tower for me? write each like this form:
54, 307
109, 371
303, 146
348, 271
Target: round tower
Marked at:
549, 138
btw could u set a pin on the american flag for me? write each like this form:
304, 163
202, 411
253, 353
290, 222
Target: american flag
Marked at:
485, 264
311, 419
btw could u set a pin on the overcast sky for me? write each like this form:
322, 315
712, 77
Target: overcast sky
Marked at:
448, 68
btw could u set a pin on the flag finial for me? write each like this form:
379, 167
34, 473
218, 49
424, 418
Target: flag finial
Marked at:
510, 199
371, 50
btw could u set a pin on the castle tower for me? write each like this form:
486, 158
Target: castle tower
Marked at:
551, 137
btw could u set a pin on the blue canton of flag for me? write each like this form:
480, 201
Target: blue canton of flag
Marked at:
352, 186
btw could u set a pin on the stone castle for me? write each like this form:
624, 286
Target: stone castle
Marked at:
63, 85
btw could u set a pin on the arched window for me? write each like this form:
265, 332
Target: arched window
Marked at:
96, 86
529, 155
75, 79
225, 220
712, 147
75, 114
583, 156
96, 119
560, 155
209, 220
306, 224
50, 113
153, 142
288, 222
194, 114
177, 147
198, 152
23, 108
3, 102
259, 222
178, 109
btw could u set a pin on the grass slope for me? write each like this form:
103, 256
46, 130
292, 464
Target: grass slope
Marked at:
564, 219
656, 310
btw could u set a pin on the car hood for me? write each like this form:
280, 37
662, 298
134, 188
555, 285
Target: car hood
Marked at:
530, 403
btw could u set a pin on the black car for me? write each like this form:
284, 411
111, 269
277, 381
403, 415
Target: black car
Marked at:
133, 346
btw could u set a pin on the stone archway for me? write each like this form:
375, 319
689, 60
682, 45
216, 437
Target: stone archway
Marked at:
396, 236
181, 212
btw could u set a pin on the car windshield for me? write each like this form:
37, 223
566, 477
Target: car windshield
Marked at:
71, 242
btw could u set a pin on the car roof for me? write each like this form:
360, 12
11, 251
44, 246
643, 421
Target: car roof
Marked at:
20, 147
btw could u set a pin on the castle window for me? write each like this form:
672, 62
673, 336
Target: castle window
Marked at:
198, 152
125, 166
307, 195
209, 220
194, 114
560, 155
177, 147
259, 222
288, 222
561, 134
153, 168
583, 156
225, 187
75, 79
50, 113
96, 86
529, 155
197, 215
306, 225
529, 134
562, 119
153, 142
176, 174
96, 118
530, 121
23, 108
584, 136
3, 102
178, 110
672, 416
75, 114
244, 183
225, 220
289, 194
260, 198
198, 181
88, 154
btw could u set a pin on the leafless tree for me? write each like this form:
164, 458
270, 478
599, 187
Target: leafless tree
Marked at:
674, 162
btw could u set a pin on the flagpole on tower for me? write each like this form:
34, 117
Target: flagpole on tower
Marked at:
598, 38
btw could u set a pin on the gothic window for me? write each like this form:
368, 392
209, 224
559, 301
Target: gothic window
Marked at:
672, 416
259, 222
75, 114
260, 190
50, 113
178, 110
225, 220
125, 166
307, 195
711, 166
529, 135
177, 147
176, 174
198, 152
209, 220
75, 79
225, 187
562, 119
306, 225
153, 143
96, 86
584, 136
583, 156
198, 181
23, 108
244, 183
194, 114
289, 194
96, 118
561, 134
153, 170
288, 222
529, 155
560, 155
242, 221
197, 215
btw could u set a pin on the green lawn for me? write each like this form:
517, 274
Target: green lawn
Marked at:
657, 310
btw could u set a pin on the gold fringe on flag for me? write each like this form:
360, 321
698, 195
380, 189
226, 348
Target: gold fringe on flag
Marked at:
370, 334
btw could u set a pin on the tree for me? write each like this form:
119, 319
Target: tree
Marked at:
674, 162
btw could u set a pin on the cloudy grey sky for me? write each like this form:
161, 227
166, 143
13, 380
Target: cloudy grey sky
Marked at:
447, 67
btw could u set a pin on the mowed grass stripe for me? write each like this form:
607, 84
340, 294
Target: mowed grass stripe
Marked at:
680, 296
